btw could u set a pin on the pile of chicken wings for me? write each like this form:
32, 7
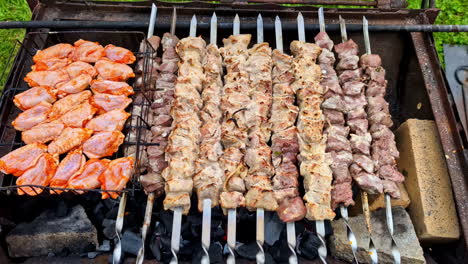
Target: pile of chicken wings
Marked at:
72, 119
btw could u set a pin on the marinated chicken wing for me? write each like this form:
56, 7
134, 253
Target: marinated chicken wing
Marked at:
75, 85
110, 121
78, 67
71, 165
58, 51
51, 64
21, 159
32, 116
34, 96
40, 174
119, 54
69, 139
108, 102
68, 103
89, 178
79, 116
43, 132
46, 78
109, 70
116, 176
103, 144
87, 51
111, 87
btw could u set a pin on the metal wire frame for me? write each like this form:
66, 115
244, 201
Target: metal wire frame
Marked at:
10, 139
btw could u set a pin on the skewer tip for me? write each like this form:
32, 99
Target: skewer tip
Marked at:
236, 18
213, 17
277, 19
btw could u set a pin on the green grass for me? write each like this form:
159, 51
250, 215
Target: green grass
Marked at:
453, 12
11, 10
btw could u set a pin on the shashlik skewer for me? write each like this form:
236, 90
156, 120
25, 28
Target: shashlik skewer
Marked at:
354, 75
284, 143
233, 128
384, 151
208, 180
314, 162
117, 253
183, 144
338, 145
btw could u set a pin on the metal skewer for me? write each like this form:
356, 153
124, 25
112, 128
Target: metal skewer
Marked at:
231, 228
177, 220
290, 226
151, 196
117, 254
388, 205
365, 203
343, 210
260, 236
206, 224
319, 224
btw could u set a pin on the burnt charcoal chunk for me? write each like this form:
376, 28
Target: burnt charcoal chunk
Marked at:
308, 245
109, 228
248, 251
131, 242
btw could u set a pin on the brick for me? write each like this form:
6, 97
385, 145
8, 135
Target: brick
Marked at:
422, 161
378, 201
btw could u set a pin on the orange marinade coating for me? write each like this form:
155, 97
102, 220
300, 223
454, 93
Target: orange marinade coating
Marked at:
109, 70
119, 54
103, 144
69, 139
111, 87
40, 174
34, 96
89, 178
116, 176
32, 117
58, 51
71, 165
21, 159
87, 51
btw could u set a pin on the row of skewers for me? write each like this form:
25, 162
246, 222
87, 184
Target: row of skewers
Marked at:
238, 144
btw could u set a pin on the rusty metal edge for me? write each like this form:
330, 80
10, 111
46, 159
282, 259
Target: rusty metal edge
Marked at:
446, 124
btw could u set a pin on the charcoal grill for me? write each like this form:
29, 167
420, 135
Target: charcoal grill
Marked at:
10, 139
415, 78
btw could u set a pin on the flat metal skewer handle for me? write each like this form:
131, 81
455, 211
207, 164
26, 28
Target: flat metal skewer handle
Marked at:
117, 254
175, 236
206, 230
231, 236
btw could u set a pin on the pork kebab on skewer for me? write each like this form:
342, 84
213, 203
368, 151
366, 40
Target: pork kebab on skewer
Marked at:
208, 180
384, 151
362, 167
234, 128
183, 143
284, 142
152, 182
337, 131
134, 133
260, 195
314, 161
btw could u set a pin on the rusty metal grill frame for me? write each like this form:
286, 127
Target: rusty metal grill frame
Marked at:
10, 139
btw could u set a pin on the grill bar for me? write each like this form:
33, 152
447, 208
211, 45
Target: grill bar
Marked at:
132, 25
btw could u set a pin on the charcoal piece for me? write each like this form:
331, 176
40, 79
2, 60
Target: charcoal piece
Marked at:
73, 233
99, 213
248, 251
280, 250
308, 245
92, 255
108, 228
274, 226
62, 209
105, 246
131, 242
215, 251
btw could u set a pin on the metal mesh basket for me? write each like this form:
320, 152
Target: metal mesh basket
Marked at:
135, 126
